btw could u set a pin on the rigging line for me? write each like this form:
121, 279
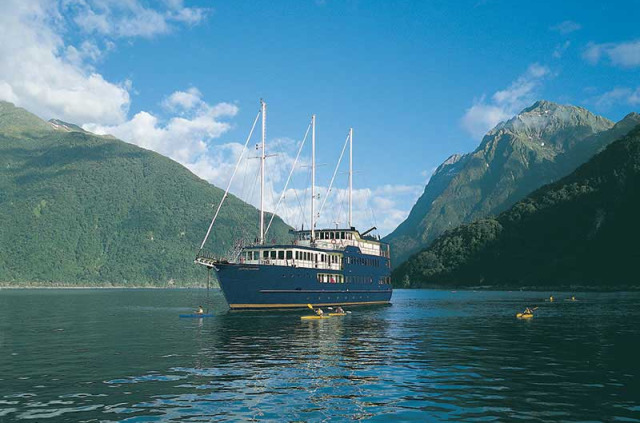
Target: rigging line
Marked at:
289, 178
230, 181
334, 176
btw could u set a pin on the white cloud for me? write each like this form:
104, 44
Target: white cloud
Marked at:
116, 18
42, 74
560, 49
182, 138
183, 100
618, 95
484, 115
52, 78
566, 27
624, 54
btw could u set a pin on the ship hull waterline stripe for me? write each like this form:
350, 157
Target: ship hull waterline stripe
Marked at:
319, 291
306, 304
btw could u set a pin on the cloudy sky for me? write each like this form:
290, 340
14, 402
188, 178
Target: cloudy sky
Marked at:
417, 80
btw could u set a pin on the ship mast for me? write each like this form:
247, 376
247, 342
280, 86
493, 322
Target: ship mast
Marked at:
262, 160
313, 175
350, 175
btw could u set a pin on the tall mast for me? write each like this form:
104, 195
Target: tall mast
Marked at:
263, 111
313, 175
350, 174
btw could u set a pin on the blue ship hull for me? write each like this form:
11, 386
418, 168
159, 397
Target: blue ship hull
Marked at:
251, 286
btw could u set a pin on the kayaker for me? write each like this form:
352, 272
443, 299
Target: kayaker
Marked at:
200, 310
527, 311
318, 311
339, 310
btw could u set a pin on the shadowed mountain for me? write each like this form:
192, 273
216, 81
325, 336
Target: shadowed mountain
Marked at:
581, 231
538, 146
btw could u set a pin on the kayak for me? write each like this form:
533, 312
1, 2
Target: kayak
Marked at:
337, 314
195, 315
524, 315
313, 317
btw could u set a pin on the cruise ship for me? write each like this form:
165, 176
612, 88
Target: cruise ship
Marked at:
319, 267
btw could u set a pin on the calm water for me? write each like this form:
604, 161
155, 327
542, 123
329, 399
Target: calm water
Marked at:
124, 355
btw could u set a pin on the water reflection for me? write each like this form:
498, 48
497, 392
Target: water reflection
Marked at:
433, 355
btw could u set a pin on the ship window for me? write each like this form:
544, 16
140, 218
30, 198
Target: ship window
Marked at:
289, 255
265, 254
281, 255
273, 254
331, 235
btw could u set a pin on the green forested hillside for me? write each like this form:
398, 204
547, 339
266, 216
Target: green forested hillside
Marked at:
581, 231
538, 146
76, 208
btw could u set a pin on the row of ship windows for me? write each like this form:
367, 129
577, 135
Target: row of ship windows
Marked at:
328, 235
362, 261
307, 256
288, 255
332, 278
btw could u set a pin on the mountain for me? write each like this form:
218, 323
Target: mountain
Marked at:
538, 146
581, 231
77, 208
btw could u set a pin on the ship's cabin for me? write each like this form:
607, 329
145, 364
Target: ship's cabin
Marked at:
338, 239
293, 256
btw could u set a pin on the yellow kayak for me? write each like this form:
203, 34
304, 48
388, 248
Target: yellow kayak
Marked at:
524, 315
337, 314
313, 317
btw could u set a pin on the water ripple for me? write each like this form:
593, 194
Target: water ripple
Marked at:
432, 356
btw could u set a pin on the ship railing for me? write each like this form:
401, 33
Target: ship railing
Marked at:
206, 258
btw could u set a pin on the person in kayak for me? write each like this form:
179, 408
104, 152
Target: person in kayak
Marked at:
339, 310
200, 310
318, 311
527, 311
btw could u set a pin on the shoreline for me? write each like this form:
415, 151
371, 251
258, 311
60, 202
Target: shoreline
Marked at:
8, 286
433, 288
633, 288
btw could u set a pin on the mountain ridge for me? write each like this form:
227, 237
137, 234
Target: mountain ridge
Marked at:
539, 145
580, 231
77, 208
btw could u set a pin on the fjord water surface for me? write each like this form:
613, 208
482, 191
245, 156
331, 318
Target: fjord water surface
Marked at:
125, 355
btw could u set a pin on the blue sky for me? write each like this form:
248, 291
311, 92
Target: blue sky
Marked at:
418, 80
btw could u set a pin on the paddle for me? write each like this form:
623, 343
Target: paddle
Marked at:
310, 306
